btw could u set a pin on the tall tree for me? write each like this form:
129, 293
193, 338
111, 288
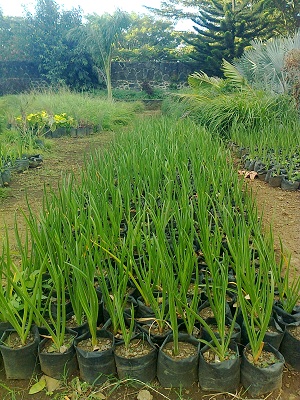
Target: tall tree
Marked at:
101, 35
12, 39
223, 28
149, 38
285, 15
58, 54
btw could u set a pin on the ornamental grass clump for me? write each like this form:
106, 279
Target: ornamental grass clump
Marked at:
94, 110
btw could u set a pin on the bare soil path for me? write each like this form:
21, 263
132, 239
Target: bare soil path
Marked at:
281, 209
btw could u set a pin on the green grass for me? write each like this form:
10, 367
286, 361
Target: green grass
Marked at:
82, 107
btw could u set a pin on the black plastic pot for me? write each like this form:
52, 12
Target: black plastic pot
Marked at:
258, 166
141, 367
249, 164
59, 132
81, 329
21, 165
220, 376
261, 174
206, 304
69, 308
284, 318
268, 175
274, 338
289, 185
131, 301
118, 337
275, 181
20, 363
58, 365
172, 372
145, 311
3, 327
6, 177
258, 381
96, 366
290, 347
35, 160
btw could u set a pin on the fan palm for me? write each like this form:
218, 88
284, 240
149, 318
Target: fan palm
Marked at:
264, 64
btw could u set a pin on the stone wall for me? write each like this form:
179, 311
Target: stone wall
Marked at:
160, 74
18, 76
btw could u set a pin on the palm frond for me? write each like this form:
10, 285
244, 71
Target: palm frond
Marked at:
233, 75
198, 79
263, 64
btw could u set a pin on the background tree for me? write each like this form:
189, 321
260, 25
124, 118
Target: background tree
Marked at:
100, 37
223, 28
149, 38
12, 39
285, 15
60, 58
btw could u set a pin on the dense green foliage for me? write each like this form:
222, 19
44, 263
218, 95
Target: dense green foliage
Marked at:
149, 38
67, 49
179, 214
58, 54
225, 28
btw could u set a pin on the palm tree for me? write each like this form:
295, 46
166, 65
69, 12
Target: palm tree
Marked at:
101, 35
269, 65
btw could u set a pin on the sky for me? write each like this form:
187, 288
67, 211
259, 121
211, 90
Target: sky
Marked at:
15, 7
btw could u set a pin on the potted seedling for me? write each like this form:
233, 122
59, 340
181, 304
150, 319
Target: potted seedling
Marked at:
262, 365
18, 294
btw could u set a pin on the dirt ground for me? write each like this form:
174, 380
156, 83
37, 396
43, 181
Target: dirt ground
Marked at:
280, 208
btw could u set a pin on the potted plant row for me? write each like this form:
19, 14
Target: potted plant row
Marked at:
167, 230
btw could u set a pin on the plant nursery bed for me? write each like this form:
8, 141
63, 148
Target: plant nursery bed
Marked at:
68, 155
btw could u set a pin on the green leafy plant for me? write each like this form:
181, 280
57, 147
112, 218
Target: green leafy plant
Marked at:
255, 286
20, 294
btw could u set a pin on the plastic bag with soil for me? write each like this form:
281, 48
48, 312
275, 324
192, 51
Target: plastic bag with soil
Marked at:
219, 376
178, 371
58, 364
259, 379
290, 345
283, 317
96, 364
138, 361
20, 362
